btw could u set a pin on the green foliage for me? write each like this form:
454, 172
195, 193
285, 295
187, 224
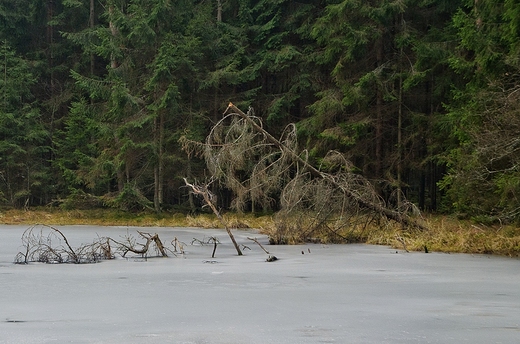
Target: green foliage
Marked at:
24, 138
406, 89
129, 199
80, 200
78, 148
483, 180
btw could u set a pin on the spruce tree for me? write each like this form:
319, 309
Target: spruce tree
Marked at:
483, 177
23, 138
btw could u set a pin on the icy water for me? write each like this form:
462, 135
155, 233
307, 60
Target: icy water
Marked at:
312, 294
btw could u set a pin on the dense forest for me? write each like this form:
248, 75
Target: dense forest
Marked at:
422, 96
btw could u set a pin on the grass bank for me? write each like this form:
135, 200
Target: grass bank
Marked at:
445, 234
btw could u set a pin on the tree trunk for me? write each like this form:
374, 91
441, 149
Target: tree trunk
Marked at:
379, 117
206, 195
113, 31
50, 42
399, 132
219, 11
113, 64
91, 26
161, 158
156, 202
158, 168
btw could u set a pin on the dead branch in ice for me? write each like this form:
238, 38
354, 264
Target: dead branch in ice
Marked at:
271, 257
211, 240
208, 198
131, 245
48, 244
259, 244
176, 243
215, 243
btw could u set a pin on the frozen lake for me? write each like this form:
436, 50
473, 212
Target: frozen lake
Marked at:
329, 294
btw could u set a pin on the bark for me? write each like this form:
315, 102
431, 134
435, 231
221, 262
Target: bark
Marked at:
219, 11
144, 249
259, 244
113, 31
379, 117
161, 158
399, 136
91, 26
158, 169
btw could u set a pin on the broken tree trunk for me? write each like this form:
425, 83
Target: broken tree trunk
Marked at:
130, 247
207, 196
156, 240
403, 219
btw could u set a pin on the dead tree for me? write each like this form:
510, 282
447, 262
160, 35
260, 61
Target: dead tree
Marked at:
326, 199
208, 198
358, 198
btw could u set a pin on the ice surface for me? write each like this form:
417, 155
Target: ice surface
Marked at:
332, 294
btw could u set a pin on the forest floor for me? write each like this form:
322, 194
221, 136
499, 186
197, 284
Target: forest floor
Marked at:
444, 234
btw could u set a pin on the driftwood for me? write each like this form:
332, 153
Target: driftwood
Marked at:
271, 257
176, 243
259, 244
215, 243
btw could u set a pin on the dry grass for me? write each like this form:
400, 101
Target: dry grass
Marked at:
237, 221
107, 217
445, 234
98, 217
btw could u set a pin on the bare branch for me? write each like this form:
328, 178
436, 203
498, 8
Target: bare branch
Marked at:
208, 199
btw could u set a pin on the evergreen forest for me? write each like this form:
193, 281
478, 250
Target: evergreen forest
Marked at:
422, 96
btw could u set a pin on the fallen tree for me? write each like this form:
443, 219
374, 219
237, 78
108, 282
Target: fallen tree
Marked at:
132, 246
52, 246
48, 244
264, 171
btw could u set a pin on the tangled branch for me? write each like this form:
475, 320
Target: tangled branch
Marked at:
48, 244
53, 247
262, 170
